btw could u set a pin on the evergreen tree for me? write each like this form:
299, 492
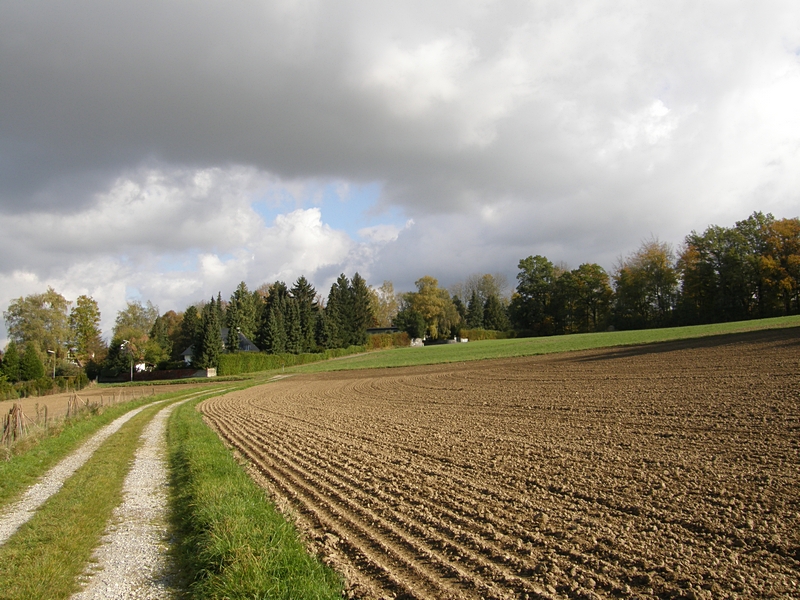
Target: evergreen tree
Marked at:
474, 312
211, 346
11, 363
340, 311
232, 341
241, 314
189, 332
30, 365
362, 316
159, 334
275, 339
271, 335
323, 331
331, 336
305, 296
494, 314
294, 334
410, 321
200, 336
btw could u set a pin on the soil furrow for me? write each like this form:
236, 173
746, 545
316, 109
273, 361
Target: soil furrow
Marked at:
668, 470
413, 578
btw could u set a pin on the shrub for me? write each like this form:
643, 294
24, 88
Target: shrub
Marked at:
381, 341
7, 390
252, 362
485, 334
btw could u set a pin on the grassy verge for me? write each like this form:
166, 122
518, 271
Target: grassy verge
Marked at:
485, 349
47, 554
23, 469
232, 541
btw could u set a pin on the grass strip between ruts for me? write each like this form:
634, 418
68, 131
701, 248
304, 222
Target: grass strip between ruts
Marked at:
23, 470
232, 542
44, 559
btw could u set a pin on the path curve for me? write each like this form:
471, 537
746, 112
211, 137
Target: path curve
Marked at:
21, 512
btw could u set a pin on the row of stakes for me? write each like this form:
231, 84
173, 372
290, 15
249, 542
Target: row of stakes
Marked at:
16, 423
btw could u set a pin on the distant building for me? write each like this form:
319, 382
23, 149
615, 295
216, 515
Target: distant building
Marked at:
245, 345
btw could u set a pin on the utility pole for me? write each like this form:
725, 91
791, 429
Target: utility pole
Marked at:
130, 354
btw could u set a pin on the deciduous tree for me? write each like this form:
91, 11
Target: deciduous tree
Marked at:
41, 320
85, 334
531, 303
385, 304
434, 305
646, 285
135, 320
782, 262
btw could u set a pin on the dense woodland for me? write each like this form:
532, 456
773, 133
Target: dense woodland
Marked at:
750, 270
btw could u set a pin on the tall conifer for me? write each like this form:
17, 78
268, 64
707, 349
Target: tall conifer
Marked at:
11, 363
212, 337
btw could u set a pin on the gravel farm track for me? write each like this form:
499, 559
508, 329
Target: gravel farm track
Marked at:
669, 470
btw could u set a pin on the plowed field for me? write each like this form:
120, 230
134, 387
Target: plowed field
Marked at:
668, 470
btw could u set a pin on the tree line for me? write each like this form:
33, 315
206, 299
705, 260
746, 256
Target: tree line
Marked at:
275, 318
750, 270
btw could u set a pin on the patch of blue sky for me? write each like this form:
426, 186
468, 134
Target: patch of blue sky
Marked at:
344, 206
132, 294
178, 263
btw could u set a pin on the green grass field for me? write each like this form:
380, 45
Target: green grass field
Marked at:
487, 349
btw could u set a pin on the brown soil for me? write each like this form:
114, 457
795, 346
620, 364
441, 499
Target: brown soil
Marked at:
57, 403
668, 470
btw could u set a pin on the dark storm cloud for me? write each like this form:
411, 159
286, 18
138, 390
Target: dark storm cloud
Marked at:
134, 131
435, 104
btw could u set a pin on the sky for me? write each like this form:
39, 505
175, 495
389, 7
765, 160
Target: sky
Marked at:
166, 151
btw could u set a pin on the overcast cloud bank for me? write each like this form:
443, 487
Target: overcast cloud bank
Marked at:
169, 151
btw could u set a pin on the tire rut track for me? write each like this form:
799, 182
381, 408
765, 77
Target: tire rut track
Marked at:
20, 512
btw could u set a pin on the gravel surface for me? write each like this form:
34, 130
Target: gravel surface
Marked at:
131, 560
18, 514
